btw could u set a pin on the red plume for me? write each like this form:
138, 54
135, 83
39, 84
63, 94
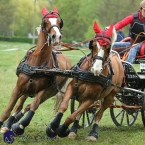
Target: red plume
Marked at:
109, 32
44, 11
55, 9
96, 28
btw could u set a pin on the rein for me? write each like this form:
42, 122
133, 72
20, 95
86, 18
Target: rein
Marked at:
69, 46
35, 53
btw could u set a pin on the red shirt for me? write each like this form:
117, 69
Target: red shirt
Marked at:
127, 20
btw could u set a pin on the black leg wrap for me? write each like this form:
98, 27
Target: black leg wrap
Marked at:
1, 123
63, 131
94, 131
50, 133
18, 117
75, 126
55, 123
16, 129
25, 122
9, 122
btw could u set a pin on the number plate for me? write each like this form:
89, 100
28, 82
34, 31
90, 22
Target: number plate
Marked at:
142, 66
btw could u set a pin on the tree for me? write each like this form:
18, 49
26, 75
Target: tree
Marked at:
88, 12
6, 17
112, 11
74, 24
17, 16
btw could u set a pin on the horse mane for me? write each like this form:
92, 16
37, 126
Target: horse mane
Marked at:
114, 36
38, 29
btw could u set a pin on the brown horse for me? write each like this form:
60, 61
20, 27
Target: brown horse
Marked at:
100, 76
40, 86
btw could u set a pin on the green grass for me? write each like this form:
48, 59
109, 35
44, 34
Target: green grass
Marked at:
109, 134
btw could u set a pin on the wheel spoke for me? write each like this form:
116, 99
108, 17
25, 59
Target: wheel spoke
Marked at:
127, 118
88, 119
118, 113
133, 115
122, 117
83, 120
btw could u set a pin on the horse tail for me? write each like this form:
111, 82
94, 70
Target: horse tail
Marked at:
57, 101
59, 98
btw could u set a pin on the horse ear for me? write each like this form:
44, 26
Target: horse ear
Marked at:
96, 28
109, 32
55, 9
44, 11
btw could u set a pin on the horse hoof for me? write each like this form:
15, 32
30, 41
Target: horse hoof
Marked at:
4, 129
63, 131
72, 135
91, 138
50, 133
17, 129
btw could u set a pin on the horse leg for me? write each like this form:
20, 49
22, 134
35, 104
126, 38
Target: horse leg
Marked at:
52, 127
18, 128
13, 100
63, 130
93, 135
74, 128
18, 113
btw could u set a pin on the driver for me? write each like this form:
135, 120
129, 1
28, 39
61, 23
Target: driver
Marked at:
137, 25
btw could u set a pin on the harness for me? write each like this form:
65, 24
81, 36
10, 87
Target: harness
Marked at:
25, 68
87, 76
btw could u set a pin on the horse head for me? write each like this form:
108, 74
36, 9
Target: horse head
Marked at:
101, 47
51, 25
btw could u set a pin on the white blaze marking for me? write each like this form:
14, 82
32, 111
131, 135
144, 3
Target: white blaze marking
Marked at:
53, 22
97, 66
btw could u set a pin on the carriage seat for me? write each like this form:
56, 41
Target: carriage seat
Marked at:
142, 50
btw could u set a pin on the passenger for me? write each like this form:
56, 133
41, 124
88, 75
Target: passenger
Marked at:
137, 25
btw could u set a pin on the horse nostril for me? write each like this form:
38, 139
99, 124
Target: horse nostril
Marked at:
53, 36
60, 38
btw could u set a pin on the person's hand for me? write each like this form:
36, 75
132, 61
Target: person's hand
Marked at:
106, 28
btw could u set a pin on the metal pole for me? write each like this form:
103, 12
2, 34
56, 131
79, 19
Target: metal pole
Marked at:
33, 39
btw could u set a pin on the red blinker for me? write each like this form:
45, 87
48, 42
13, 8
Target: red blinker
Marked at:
44, 11
55, 10
109, 32
53, 15
97, 28
103, 36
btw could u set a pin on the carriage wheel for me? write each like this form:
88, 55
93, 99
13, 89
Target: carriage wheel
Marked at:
87, 117
143, 110
123, 116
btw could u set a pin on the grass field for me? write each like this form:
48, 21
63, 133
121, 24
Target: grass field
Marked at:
109, 134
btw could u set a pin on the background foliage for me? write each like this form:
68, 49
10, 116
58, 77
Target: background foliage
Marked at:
17, 16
